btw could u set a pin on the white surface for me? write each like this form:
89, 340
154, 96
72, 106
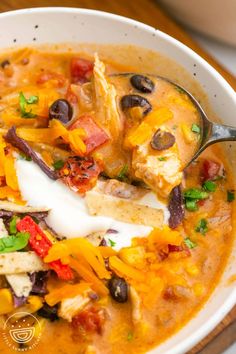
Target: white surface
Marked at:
90, 26
224, 53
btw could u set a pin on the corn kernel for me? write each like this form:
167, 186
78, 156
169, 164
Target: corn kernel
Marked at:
198, 289
192, 269
6, 301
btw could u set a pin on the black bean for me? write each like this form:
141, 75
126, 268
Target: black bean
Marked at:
162, 140
61, 110
5, 63
118, 289
130, 101
49, 312
142, 83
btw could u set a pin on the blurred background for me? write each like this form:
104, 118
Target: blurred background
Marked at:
209, 28
212, 23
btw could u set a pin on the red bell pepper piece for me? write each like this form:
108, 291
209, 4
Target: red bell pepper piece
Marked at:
95, 136
40, 244
81, 70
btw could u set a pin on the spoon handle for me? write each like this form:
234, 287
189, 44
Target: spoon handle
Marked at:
221, 132
214, 133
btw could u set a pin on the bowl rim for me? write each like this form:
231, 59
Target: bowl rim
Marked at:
227, 304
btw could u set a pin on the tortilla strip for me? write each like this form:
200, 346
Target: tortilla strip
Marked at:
20, 262
16, 208
123, 209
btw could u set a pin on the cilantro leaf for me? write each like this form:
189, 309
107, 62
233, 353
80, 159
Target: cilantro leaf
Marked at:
12, 225
14, 242
230, 196
195, 193
189, 243
122, 176
202, 226
162, 158
58, 164
130, 336
191, 204
209, 186
196, 129
23, 101
112, 243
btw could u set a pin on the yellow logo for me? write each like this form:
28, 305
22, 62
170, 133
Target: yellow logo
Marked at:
22, 331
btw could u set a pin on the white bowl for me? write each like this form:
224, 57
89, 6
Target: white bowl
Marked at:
56, 25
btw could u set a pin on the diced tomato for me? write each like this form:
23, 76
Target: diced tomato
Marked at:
181, 248
90, 320
80, 173
49, 75
210, 169
40, 244
95, 136
81, 70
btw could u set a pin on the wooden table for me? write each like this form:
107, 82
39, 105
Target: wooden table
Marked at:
149, 12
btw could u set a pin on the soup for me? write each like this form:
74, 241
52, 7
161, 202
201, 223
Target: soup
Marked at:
106, 238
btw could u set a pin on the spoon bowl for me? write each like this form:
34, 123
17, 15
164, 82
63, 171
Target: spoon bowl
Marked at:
211, 133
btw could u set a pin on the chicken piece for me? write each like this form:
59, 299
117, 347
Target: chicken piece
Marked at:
20, 283
161, 172
105, 93
136, 306
121, 189
71, 306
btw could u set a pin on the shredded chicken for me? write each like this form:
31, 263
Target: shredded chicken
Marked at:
70, 307
162, 175
105, 93
121, 189
136, 306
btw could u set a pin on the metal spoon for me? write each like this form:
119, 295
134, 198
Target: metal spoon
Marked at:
211, 132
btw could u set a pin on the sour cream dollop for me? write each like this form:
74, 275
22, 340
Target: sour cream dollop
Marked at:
68, 214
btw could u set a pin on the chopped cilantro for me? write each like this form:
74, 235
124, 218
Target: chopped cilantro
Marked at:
12, 225
122, 176
162, 158
196, 129
112, 243
23, 101
209, 186
191, 204
195, 193
189, 243
230, 196
25, 157
58, 164
192, 196
202, 226
130, 336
